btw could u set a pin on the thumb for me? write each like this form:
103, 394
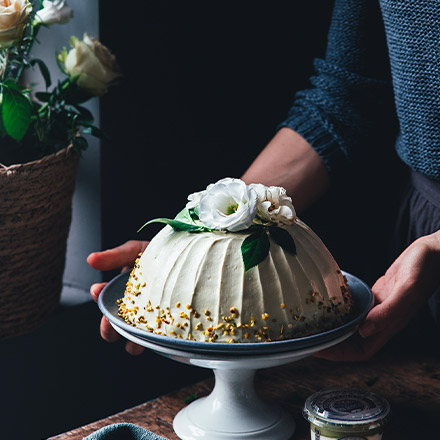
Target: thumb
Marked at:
377, 320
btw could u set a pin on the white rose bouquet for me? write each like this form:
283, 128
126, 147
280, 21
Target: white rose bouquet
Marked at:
34, 123
232, 206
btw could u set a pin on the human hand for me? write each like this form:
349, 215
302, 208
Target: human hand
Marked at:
399, 294
123, 257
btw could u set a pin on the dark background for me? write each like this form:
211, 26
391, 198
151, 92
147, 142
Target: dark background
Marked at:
204, 86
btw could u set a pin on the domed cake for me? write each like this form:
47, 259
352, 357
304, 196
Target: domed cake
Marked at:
236, 265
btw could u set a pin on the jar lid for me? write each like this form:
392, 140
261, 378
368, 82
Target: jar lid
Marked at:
347, 410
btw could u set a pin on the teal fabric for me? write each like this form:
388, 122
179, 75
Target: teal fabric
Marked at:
380, 77
123, 431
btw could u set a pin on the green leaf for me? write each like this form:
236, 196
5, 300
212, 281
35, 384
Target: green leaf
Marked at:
79, 144
177, 225
187, 215
93, 131
85, 113
71, 92
282, 237
194, 212
43, 96
16, 112
184, 216
73, 40
10, 83
44, 71
255, 248
61, 59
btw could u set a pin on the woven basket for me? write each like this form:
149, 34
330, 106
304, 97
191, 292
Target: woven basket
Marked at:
35, 216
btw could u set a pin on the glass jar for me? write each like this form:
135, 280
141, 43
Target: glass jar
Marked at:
346, 413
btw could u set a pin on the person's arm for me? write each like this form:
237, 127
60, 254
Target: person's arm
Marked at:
289, 161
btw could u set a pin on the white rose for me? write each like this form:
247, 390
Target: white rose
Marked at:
54, 12
228, 205
273, 205
13, 18
95, 64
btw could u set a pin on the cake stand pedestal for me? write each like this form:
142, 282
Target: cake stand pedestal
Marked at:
234, 410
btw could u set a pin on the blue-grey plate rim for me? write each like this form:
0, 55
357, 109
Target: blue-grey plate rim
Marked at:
363, 300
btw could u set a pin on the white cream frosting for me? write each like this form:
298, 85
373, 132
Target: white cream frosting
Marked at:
194, 286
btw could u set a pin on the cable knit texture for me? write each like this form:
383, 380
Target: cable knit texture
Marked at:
382, 59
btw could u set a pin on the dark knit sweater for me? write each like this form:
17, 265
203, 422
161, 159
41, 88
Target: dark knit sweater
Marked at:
382, 60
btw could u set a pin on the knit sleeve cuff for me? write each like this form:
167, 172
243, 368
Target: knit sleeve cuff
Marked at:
313, 129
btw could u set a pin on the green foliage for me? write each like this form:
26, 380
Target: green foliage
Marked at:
35, 123
177, 225
255, 248
16, 110
188, 215
282, 238
44, 71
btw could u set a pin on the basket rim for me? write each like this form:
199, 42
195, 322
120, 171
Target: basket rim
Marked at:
19, 166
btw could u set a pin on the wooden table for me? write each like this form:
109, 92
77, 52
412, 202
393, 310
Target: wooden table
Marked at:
411, 384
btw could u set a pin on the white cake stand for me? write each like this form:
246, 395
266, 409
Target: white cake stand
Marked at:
233, 410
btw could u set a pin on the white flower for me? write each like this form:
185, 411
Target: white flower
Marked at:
95, 64
54, 12
228, 205
13, 18
273, 205
194, 199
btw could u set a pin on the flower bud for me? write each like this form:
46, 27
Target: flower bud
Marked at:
54, 12
94, 63
274, 205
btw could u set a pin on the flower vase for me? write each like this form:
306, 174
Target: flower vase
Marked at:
35, 217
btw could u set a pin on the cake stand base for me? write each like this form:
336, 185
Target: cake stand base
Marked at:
233, 410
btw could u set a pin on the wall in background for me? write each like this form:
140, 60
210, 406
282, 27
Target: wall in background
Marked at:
85, 231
